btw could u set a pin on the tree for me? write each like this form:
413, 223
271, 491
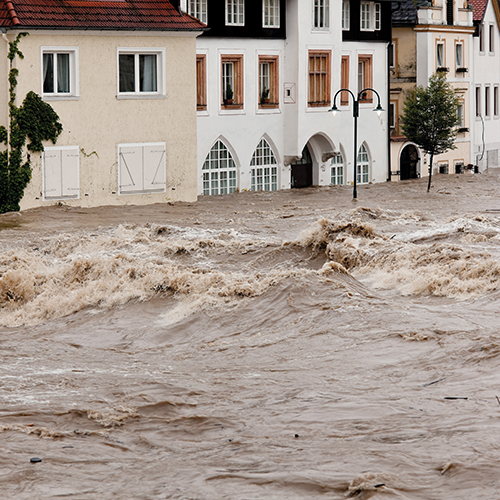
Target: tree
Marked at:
36, 121
430, 118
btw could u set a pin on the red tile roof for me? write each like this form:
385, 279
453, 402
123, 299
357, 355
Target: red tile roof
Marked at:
479, 8
104, 14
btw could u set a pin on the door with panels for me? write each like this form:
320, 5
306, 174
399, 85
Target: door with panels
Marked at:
60, 166
142, 168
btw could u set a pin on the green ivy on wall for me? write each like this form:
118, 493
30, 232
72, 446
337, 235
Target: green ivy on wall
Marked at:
34, 121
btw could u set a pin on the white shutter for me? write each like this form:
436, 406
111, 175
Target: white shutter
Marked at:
131, 171
70, 174
52, 181
154, 167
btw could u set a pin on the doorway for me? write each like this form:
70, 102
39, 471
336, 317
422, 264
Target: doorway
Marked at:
302, 170
408, 163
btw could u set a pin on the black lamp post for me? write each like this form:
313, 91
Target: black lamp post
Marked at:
355, 114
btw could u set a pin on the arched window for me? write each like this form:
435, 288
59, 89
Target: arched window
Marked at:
337, 170
264, 168
363, 166
219, 171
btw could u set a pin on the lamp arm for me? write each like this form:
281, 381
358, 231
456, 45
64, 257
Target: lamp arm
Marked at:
343, 90
371, 90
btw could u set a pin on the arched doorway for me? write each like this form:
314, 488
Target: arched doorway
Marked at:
408, 163
302, 170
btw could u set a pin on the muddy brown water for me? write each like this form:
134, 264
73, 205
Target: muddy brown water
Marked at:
289, 345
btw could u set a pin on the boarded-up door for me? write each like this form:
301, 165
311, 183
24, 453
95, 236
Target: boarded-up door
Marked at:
142, 168
60, 173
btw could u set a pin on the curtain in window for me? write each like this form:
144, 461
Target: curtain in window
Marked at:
48, 73
63, 73
147, 73
127, 74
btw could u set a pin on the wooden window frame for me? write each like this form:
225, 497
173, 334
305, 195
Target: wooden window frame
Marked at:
201, 82
367, 61
237, 101
323, 77
344, 80
274, 95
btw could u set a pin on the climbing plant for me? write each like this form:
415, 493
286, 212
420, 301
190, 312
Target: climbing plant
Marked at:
34, 121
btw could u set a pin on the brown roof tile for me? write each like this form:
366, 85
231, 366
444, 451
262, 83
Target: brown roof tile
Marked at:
479, 8
84, 14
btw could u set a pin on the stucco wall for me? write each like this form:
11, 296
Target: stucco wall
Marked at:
98, 121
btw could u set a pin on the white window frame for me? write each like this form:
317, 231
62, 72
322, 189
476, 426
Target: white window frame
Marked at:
212, 176
363, 167
321, 14
73, 72
377, 17
160, 72
198, 9
487, 101
235, 12
440, 54
460, 114
459, 55
495, 101
346, 15
392, 115
270, 13
264, 168
491, 39
48, 149
478, 101
336, 165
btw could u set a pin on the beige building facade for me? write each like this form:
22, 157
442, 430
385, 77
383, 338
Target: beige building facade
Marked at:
433, 37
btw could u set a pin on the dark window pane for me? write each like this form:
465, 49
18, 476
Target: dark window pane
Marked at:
127, 77
48, 73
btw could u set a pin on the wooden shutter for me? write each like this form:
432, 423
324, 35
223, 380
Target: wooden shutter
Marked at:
154, 167
131, 171
52, 182
69, 172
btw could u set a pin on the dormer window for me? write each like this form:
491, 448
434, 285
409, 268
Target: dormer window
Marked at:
235, 12
321, 14
370, 16
198, 9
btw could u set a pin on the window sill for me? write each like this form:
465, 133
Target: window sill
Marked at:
231, 106
60, 97
140, 96
271, 105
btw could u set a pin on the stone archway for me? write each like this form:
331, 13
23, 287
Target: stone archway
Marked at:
302, 170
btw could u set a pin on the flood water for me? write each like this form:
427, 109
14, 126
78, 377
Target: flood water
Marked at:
289, 345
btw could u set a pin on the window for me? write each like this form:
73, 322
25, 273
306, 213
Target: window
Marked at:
232, 81
321, 14
59, 77
60, 172
337, 170
370, 16
365, 77
491, 38
487, 101
346, 11
392, 115
319, 78
344, 81
443, 167
392, 56
478, 101
264, 168
481, 38
459, 55
198, 9
365, 16
440, 55
268, 82
271, 13
450, 7
140, 71
141, 168
460, 114
201, 82
219, 171
235, 12
495, 100
363, 166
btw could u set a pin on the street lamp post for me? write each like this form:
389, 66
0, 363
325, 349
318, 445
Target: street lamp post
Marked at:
355, 114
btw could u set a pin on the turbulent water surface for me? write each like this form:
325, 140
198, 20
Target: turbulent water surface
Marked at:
290, 345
